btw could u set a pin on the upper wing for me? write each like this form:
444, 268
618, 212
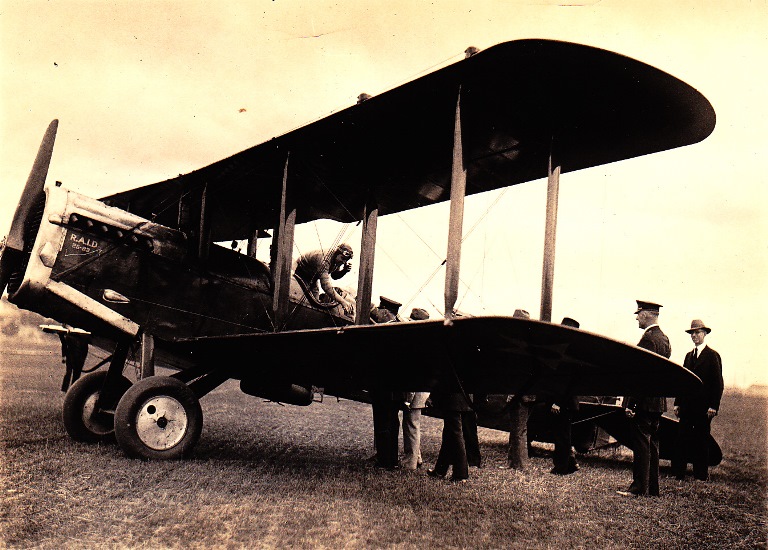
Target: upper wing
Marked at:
519, 101
482, 354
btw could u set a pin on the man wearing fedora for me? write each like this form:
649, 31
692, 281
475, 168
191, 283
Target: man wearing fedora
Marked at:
697, 411
645, 412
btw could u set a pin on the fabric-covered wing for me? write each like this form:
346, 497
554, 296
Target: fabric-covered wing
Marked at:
483, 354
519, 101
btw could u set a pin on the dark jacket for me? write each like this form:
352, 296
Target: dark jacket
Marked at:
450, 401
656, 341
709, 367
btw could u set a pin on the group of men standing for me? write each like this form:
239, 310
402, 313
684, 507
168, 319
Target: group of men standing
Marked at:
695, 411
644, 413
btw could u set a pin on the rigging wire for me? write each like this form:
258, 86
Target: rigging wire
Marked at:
482, 217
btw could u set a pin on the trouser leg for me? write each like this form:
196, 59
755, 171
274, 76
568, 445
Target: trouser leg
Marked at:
682, 442
562, 458
383, 426
458, 449
701, 432
641, 452
518, 436
471, 442
653, 458
411, 438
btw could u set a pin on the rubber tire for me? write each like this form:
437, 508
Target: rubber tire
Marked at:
74, 403
132, 404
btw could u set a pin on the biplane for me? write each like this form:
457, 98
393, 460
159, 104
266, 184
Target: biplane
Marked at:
142, 268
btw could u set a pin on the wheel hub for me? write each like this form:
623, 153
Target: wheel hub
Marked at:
95, 422
161, 423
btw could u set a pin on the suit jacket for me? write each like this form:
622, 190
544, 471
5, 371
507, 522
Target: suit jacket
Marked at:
451, 401
417, 399
656, 341
565, 402
709, 367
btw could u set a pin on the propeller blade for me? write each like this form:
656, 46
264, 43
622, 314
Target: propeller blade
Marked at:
33, 194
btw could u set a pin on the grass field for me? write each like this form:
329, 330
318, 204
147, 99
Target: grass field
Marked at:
266, 476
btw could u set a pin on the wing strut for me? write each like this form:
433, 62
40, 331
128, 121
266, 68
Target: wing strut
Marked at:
550, 231
456, 219
282, 272
367, 252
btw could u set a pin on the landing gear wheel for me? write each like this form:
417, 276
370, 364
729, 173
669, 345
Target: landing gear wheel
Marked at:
79, 407
158, 418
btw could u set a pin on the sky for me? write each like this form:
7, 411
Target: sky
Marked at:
145, 91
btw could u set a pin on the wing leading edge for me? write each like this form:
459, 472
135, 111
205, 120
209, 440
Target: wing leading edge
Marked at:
520, 101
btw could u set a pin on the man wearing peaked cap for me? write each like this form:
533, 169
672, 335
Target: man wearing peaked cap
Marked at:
388, 304
643, 412
385, 404
697, 411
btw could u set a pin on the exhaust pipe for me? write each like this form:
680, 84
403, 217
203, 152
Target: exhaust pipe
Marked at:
21, 236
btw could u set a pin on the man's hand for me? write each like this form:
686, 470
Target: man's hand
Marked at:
347, 306
629, 413
677, 410
711, 413
555, 408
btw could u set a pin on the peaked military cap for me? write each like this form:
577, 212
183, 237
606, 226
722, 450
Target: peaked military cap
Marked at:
389, 304
647, 306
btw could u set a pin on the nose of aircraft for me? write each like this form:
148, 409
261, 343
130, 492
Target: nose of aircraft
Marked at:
21, 236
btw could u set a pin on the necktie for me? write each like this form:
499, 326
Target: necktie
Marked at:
695, 353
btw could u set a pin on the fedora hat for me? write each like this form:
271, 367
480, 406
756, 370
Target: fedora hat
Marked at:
698, 324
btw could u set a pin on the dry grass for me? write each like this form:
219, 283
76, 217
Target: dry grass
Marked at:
269, 476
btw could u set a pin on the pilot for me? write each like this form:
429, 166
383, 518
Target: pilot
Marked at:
697, 411
314, 267
644, 412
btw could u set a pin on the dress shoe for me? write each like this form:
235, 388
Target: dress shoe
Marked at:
458, 480
432, 473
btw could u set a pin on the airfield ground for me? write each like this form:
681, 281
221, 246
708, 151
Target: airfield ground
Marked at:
268, 476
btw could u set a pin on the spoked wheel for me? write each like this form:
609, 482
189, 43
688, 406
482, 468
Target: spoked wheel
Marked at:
81, 420
158, 418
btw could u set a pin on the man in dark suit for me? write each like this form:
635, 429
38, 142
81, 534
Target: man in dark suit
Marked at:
562, 407
697, 411
645, 412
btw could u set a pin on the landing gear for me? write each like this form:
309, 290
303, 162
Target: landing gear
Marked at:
82, 420
158, 418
